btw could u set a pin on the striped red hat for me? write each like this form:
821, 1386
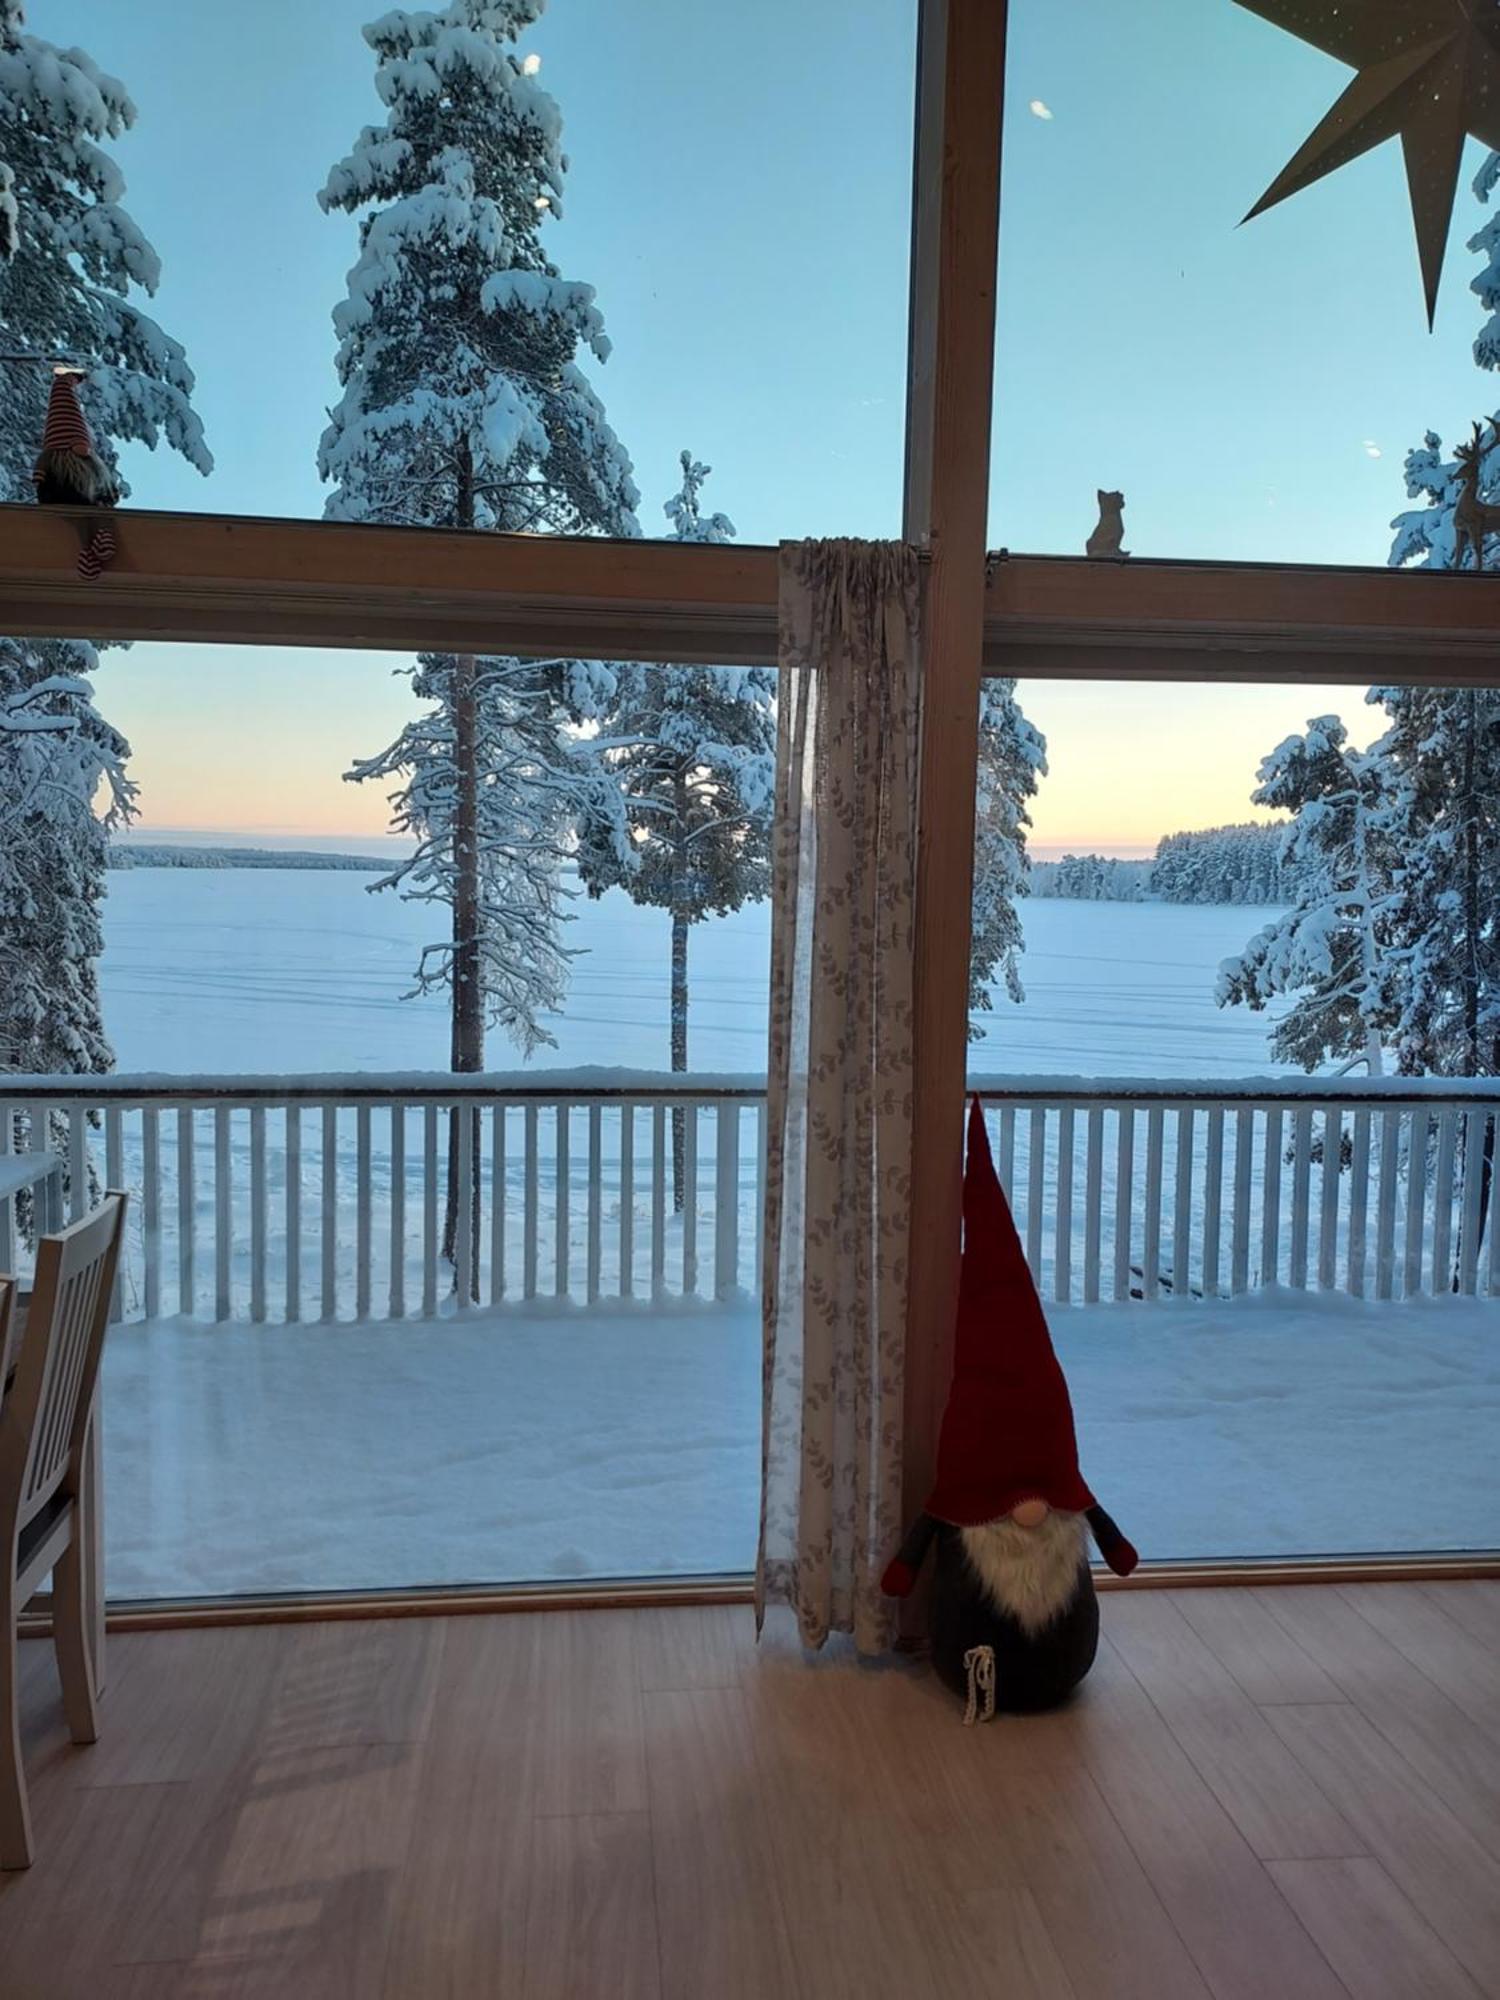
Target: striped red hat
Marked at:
67, 426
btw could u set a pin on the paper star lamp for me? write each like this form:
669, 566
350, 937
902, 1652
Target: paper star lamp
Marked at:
1428, 71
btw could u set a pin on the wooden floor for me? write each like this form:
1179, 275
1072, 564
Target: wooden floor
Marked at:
1263, 1794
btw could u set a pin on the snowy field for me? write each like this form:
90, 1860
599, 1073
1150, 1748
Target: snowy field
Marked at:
628, 1444
275, 970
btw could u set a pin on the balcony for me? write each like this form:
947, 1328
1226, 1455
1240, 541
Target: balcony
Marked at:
1274, 1301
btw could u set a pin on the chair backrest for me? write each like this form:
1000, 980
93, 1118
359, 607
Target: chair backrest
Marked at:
44, 1419
7, 1329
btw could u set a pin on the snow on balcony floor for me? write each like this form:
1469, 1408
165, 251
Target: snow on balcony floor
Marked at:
626, 1443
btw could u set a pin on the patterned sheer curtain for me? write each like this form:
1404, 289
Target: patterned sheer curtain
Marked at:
839, 1086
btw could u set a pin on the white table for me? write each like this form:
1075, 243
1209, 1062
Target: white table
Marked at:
41, 1170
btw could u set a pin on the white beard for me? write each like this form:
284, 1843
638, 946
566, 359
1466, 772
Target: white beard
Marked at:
1029, 1572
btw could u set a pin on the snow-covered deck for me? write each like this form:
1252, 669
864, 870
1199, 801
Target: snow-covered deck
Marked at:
618, 1442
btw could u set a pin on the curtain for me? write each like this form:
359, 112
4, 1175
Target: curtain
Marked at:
839, 1086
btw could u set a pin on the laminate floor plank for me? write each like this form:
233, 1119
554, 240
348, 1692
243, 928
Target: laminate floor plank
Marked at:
592, 1910
1273, 1801
1472, 1603
1463, 1666
587, 1715
704, 1647
1378, 1943
1458, 1760
1432, 1858
1260, 1653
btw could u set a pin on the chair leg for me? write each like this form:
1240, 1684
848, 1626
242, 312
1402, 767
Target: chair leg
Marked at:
70, 1636
91, 1533
15, 1817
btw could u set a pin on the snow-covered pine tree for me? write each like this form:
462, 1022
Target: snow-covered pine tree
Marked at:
1331, 950
693, 750
464, 406
66, 292
1012, 760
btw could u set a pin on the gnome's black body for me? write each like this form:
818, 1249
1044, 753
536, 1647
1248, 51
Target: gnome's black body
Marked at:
1013, 1617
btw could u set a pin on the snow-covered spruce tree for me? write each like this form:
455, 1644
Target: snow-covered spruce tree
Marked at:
463, 407
1012, 759
1331, 950
66, 292
693, 750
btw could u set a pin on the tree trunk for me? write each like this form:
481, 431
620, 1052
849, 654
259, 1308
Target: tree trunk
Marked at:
467, 1049
467, 981
679, 1053
679, 1006
1472, 981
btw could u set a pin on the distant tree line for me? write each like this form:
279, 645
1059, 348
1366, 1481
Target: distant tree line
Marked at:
1215, 864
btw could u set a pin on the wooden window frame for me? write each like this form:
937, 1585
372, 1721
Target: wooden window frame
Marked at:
240, 580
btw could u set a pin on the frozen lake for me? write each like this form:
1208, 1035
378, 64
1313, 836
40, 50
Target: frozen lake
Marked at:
279, 970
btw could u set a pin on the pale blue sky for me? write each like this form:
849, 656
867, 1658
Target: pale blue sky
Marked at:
740, 197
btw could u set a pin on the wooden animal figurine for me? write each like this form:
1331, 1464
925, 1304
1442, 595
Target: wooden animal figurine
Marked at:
1013, 1621
70, 473
1110, 533
1473, 518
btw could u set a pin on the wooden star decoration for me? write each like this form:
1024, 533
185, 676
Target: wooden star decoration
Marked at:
1427, 70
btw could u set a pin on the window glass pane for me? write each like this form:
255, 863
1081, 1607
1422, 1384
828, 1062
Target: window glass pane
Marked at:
733, 185
1241, 1086
1252, 391
371, 1334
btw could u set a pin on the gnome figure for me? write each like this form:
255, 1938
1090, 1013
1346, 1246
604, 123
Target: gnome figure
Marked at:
69, 471
1014, 1622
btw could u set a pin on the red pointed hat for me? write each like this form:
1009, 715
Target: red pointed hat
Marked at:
67, 427
1007, 1432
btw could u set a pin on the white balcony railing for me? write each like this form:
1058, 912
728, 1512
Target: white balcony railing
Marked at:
325, 1198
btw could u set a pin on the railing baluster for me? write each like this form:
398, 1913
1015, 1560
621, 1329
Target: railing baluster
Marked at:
562, 1208
151, 1207
186, 1206
529, 1201
1124, 1196
1094, 1187
1442, 1205
1416, 1202
1328, 1218
1301, 1194
1062, 1256
1036, 1167
497, 1204
1492, 1219
1475, 1123
1359, 1202
1385, 1205
397, 1294
596, 1201
431, 1244
1006, 1165
114, 1177
328, 1236
1213, 1200
463, 1217
1151, 1246
293, 1213
760, 1184
363, 1212
1182, 1207
690, 1201
1270, 1198
257, 1213
8, 1203
627, 1200
658, 1200
223, 1213
78, 1164
727, 1201
1239, 1217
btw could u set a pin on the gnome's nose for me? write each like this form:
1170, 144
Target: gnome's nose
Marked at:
1030, 1513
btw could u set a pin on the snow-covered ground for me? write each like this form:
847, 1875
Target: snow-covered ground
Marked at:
270, 970
622, 1444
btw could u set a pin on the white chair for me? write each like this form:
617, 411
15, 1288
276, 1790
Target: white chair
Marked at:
45, 1508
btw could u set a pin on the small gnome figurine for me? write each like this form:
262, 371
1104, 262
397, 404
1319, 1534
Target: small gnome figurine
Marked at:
69, 471
1014, 1622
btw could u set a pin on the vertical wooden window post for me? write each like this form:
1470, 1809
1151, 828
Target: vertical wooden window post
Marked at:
955, 230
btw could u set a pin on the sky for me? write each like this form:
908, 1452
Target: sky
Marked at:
739, 194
